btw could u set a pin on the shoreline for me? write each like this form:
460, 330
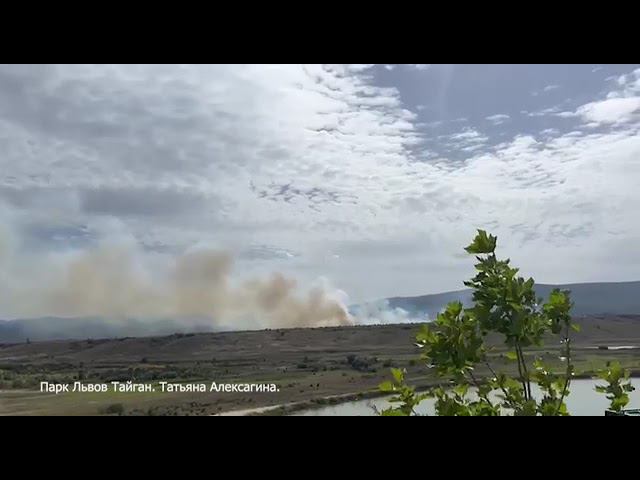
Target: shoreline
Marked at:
289, 408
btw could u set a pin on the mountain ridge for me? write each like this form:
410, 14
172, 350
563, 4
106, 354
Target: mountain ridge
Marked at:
595, 298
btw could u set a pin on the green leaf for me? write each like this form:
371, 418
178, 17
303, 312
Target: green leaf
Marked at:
424, 334
461, 389
392, 413
453, 309
563, 409
482, 243
575, 327
386, 387
620, 402
511, 355
485, 389
559, 385
398, 375
615, 371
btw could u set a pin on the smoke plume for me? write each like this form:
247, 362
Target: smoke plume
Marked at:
118, 282
380, 312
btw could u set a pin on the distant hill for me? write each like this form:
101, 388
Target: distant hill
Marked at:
621, 298
590, 299
56, 328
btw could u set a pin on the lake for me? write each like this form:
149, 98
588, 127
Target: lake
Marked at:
583, 401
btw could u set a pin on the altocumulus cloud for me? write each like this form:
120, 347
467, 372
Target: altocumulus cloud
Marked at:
318, 170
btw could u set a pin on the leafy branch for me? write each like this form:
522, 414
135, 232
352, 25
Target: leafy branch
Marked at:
455, 344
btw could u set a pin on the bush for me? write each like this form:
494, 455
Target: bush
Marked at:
361, 364
506, 305
114, 409
19, 383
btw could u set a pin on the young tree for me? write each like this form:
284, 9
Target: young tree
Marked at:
455, 347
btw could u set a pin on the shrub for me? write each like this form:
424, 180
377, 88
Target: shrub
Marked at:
114, 409
506, 305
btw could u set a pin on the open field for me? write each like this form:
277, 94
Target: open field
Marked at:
308, 365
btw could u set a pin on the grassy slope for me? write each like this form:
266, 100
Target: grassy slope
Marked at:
307, 364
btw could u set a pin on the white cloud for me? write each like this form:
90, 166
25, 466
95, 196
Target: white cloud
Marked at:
312, 170
468, 134
630, 84
354, 67
550, 111
546, 89
611, 110
418, 66
498, 118
467, 140
567, 114
189, 130
621, 105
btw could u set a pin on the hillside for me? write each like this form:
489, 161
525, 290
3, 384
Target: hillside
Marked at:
621, 298
590, 299
56, 328
308, 364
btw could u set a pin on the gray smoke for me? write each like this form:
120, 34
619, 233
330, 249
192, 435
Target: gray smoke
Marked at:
117, 281
380, 312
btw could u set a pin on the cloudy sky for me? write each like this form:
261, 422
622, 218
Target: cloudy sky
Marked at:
373, 176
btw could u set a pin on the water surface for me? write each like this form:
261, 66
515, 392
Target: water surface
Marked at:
583, 401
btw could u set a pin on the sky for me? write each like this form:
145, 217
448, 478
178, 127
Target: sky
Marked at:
370, 177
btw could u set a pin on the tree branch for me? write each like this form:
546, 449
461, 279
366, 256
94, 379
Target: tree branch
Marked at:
567, 378
477, 385
520, 371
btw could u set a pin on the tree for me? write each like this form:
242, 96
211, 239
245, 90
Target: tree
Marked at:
455, 347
